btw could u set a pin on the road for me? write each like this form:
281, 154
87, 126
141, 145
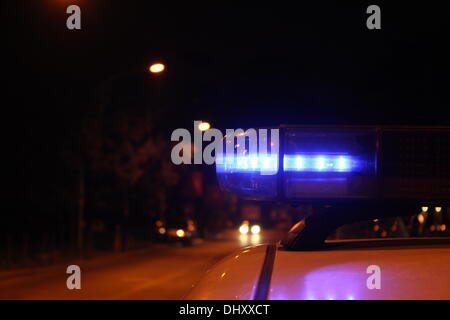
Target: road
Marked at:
158, 272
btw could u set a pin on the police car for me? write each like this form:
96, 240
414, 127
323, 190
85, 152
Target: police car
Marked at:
345, 175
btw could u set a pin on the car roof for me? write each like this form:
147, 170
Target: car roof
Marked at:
409, 269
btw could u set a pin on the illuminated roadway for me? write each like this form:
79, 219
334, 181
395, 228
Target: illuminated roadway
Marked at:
159, 272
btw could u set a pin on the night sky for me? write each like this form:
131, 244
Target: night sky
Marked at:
243, 66
233, 66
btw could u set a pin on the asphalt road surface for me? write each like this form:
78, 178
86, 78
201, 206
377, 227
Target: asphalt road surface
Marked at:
158, 272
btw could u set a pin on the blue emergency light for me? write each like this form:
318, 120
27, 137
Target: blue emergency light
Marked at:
319, 163
322, 163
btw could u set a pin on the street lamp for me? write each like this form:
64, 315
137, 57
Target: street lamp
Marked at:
157, 68
204, 126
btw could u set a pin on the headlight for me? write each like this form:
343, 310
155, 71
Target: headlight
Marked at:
255, 229
243, 229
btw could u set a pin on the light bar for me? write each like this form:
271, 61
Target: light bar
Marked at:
337, 163
317, 163
291, 163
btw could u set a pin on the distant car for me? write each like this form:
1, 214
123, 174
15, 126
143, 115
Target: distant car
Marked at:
247, 227
182, 231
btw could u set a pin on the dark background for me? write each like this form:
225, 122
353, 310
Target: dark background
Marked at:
232, 66
248, 66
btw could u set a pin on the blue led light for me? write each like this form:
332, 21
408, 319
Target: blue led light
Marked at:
291, 163
299, 162
308, 163
319, 163
342, 163
248, 163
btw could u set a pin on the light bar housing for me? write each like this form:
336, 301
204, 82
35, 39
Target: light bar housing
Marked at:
345, 163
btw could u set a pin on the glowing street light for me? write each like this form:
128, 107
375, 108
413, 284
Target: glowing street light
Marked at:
157, 68
204, 126
180, 233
